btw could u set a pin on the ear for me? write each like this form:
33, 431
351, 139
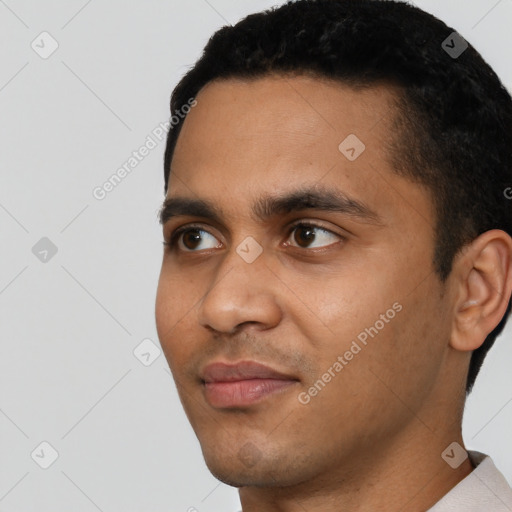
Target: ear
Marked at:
483, 274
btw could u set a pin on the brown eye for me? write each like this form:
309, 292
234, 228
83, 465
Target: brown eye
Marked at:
190, 239
306, 234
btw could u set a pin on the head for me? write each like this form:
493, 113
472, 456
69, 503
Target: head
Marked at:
351, 114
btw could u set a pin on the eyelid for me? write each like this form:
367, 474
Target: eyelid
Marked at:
313, 223
175, 234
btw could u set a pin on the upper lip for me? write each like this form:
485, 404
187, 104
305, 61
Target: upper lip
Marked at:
243, 370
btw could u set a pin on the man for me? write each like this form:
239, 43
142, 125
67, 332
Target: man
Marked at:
338, 258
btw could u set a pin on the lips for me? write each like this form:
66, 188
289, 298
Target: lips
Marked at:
242, 384
245, 370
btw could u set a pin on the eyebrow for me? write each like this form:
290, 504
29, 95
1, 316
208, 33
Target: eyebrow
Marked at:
268, 206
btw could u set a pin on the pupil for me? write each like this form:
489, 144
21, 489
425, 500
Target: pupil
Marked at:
192, 234
310, 236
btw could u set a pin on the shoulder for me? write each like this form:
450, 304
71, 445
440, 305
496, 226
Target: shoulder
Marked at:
485, 488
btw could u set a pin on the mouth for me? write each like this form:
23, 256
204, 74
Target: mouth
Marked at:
242, 384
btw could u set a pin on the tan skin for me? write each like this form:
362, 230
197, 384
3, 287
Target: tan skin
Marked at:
372, 439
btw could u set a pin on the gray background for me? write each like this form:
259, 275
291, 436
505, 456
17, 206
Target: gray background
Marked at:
69, 324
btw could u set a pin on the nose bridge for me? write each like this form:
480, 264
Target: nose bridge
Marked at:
243, 263
241, 293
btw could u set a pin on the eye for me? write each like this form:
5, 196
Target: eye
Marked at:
304, 235
191, 240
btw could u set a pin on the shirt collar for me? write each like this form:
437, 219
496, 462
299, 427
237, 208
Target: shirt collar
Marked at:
485, 488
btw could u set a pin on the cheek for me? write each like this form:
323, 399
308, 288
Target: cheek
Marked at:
177, 294
344, 305
381, 314
164, 307
174, 309
406, 356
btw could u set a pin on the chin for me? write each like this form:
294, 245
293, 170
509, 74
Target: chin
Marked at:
252, 468
246, 467
236, 475
234, 478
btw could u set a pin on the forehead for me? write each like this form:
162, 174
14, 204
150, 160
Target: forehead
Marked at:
286, 116
246, 138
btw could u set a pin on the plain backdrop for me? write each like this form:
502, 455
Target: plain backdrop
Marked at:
80, 367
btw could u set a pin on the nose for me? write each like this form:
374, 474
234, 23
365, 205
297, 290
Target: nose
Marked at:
242, 293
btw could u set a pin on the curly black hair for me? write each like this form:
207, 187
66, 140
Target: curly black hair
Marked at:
453, 118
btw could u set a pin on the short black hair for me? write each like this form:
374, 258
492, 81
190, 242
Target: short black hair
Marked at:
453, 118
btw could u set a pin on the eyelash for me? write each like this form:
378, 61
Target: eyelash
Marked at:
173, 240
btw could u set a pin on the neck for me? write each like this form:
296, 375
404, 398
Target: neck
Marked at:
407, 474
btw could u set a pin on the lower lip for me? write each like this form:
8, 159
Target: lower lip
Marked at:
243, 392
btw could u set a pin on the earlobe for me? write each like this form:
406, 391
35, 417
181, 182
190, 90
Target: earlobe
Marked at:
484, 276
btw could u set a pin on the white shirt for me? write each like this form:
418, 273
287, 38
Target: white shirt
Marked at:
485, 489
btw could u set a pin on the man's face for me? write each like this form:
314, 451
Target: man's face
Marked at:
346, 305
